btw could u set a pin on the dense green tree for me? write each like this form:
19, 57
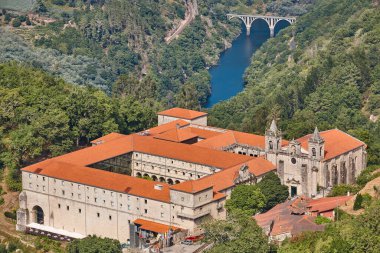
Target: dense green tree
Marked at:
273, 190
94, 244
343, 189
247, 199
238, 234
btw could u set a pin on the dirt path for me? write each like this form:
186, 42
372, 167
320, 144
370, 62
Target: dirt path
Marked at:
191, 12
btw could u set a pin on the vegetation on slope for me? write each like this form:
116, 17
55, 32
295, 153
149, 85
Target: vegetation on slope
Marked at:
42, 116
326, 75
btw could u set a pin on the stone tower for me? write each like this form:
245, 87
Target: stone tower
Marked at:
316, 146
273, 138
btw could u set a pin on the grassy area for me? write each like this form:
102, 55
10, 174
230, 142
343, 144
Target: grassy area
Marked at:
17, 5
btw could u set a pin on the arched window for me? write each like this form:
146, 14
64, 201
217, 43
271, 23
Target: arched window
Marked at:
170, 181
270, 145
314, 152
38, 215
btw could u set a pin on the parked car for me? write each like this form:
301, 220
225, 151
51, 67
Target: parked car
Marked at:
187, 242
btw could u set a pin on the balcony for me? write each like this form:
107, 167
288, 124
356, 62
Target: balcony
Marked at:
194, 215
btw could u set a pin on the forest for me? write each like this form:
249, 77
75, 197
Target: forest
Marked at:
323, 71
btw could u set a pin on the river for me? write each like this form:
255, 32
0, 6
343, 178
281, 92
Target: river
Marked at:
227, 77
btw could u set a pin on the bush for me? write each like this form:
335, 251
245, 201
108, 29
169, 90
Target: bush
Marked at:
1, 201
342, 189
11, 215
358, 202
322, 220
22, 18
16, 22
367, 175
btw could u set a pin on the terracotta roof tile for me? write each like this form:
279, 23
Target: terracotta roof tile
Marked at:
100, 178
176, 135
108, 137
336, 142
167, 126
154, 226
182, 113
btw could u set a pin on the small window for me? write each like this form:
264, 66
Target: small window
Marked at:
121, 205
183, 173
270, 145
72, 194
191, 174
55, 190
63, 192
129, 207
104, 191
110, 217
95, 199
313, 152
43, 178
98, 214
162, 215
199, 176
168, 171
67, 208
145, 211
129, 221
293, 160
104, 201
137, 164
59, 205
172, 161
146, 201
111, 203
80, 210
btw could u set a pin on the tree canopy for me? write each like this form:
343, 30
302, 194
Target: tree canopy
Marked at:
273, 190
94, 244
246, 199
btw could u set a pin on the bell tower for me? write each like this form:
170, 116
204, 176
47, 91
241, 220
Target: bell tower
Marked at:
316, 146
273, 138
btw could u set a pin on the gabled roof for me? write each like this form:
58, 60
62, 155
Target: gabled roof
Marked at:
327, 204
165, 127
337, 142
100, 178
176, 135
182, 113
106, 138
222, 180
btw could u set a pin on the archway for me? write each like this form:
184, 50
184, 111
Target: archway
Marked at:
138, 174
154, 178
38, 215
343, 173
281, 24
162, 180
177, 182
260, 30
170, 181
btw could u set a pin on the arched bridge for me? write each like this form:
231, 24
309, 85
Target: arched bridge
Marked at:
271, 21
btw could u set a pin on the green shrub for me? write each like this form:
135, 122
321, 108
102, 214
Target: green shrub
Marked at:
367, 175
322, 220
12, 247
1, 201
16, 22
22, 18
358, 202
11, 215
342, 189
366, 200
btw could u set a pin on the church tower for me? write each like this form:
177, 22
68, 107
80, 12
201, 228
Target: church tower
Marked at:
316, 146
273, 138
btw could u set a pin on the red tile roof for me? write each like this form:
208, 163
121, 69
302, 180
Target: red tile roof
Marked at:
176, 135
182, 113
327, 204
154, 226
100, 178
165, 127
108, 137
336, 142
225, 179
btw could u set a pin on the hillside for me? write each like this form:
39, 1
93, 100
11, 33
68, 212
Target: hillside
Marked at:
322, 71
100, 42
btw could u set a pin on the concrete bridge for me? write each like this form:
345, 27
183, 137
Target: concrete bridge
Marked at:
271, 21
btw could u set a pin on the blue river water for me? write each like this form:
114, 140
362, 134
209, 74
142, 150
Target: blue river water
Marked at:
227, 77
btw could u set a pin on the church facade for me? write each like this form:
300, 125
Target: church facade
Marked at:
172, 177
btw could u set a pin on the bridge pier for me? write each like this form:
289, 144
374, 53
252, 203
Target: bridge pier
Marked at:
271, 32
248, 29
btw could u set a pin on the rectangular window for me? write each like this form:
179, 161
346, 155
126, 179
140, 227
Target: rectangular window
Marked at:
146, 201
63, 192
59, 205
80, 210
43, 178
110, 217
145, 211
95, 199
67, 208
98, 214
